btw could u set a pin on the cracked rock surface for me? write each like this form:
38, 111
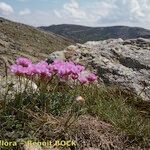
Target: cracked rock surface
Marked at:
116, 61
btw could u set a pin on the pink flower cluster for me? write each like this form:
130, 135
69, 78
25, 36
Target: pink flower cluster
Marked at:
64, 70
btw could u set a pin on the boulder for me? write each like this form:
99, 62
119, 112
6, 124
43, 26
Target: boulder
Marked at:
32, 147
12, 84
122, 62
38, 147
57, 55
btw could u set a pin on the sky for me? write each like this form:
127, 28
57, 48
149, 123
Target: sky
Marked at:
82, 12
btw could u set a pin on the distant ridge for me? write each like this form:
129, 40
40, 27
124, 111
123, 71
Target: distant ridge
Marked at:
83, 34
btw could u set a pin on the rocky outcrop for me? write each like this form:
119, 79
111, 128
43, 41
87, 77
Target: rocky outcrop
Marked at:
116, 61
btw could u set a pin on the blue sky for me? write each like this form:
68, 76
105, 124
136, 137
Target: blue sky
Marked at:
83, 12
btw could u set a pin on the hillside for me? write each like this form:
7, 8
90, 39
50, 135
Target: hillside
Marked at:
22, 40
83, 34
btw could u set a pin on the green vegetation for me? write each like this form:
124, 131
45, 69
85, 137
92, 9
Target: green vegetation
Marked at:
34, 115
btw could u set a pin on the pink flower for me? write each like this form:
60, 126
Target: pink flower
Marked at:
42, 64
74, 77
50, 67
64, 70
80, 68
91, 77
18, 69
42, 69
31, 70
23, 61
83, 80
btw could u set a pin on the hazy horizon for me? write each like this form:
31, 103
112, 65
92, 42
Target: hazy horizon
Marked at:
77, 25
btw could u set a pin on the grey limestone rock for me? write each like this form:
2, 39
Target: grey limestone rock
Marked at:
122, 62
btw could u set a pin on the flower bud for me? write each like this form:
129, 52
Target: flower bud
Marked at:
80, 100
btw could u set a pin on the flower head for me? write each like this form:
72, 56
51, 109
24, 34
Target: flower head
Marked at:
42, 69
91, 77
83, 80
80, 100
25, 62
18, 69
64, 70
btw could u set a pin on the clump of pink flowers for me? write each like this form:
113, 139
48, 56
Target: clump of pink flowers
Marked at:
63, 70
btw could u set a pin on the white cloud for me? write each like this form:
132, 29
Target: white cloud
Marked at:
129, 12
57, 13
103, 9
85, 15
91, 13
22, 0
24, 12
5, 9
36, 18
107, 12
72, 9
71, 12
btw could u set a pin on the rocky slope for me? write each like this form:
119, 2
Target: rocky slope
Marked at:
83, 34
116, 61
21, 40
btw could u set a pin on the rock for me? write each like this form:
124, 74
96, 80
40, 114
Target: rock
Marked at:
90, 148
57, 54
116, 61
12, 85
32, 147
52, 148
38, 147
